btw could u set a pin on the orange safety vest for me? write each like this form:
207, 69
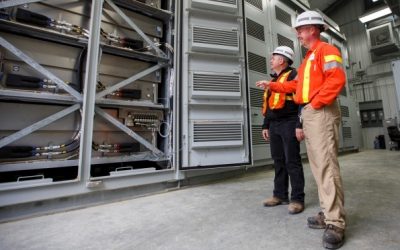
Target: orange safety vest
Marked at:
320, 76
276, 100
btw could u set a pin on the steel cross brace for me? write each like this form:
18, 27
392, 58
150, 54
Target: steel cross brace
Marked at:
128, 131
40, 124
21, 55
129, 80
136, 28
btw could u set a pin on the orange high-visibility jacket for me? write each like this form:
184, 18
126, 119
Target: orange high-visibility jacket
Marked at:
276, 100
320, 77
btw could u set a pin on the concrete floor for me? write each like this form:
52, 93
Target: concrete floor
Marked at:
226, 215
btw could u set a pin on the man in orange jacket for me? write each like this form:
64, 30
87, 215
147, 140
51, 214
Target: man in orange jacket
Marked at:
320, 79
281, 123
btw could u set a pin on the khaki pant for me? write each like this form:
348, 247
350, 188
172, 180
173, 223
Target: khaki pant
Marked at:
321, 129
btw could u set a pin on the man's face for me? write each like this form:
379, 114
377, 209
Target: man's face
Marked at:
276, 61
304, 33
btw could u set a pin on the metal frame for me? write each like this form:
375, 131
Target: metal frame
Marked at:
136, 28
39, 68
12, 3
40, 124
128, 131
92, 62
129, 80
89, 102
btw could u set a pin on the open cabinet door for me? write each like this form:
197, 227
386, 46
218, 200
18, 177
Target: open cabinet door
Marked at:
213, 125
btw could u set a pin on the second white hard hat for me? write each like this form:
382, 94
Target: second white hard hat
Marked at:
285, 51
310, 17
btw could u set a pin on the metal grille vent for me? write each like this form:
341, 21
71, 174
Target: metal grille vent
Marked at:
217, 132
216, 83
255, 29
284, 41
347, 133
283, 16
345, 111
256, 135
256, 97
380, 36
256, 3
233, 2
215, 36
257, 63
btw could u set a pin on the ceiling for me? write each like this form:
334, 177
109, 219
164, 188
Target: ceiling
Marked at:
321, 4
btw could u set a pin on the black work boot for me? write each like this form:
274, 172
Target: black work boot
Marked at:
317, 222
333, 237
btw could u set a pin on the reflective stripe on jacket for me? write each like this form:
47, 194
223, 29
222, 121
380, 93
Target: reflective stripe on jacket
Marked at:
320, 79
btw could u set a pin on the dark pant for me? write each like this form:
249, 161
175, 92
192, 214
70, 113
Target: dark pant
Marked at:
285, 151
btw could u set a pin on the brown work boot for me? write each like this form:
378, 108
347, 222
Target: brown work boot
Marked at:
317, 222
295, 207
274, 201
333, 237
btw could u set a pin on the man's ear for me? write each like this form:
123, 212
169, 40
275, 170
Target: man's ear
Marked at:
281, 60
315, 30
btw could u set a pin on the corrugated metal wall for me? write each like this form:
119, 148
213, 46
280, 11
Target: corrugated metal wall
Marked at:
347, 18
378, 82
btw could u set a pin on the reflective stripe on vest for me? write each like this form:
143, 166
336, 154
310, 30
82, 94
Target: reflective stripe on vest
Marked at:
265, 103
306, 80
279, 98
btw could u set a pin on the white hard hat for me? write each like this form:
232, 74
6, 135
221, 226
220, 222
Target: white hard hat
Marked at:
286, 52
310, 17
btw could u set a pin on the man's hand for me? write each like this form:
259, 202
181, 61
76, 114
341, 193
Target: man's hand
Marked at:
308, 106
299, 134
263, 84
265, 134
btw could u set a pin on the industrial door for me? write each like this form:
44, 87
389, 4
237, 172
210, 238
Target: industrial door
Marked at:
212, 121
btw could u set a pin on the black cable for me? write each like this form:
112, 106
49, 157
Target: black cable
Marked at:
80, 63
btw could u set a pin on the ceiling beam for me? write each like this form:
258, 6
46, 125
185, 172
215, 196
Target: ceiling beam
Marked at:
334, 6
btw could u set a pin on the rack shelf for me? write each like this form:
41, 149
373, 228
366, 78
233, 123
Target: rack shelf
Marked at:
145, 9
42, 33
32, 165
113, 103
37, 96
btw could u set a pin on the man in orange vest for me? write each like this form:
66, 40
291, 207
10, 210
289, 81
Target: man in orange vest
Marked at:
281, 122
320, 79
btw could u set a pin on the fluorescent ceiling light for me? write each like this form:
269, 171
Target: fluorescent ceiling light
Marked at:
375, 15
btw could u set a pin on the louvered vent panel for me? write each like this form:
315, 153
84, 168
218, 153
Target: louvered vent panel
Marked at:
217, 134
220, 5
256, 3
347, 133
215, 40
284, 41
257, 63
345, 111
256, 97
216, 85
283, 16
256, 133
255, 29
